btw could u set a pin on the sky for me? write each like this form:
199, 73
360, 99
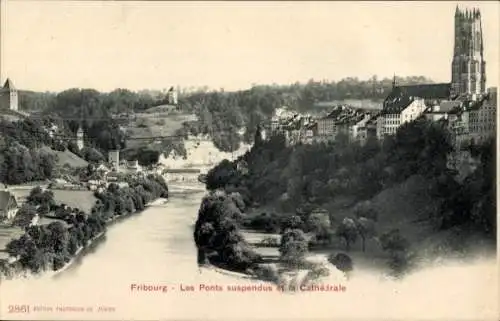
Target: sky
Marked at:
56, 45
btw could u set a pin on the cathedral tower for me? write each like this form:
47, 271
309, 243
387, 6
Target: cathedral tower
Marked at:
468, 76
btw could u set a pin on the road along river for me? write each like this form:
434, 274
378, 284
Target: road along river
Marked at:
155, 250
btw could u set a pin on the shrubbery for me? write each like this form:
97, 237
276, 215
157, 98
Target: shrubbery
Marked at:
401, 258
216, 231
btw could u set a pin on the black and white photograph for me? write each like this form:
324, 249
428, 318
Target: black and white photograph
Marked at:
249, 160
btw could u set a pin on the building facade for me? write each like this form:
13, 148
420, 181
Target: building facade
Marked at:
8, 205
401, 111
482, 117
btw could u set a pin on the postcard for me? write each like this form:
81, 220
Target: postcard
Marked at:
262, 160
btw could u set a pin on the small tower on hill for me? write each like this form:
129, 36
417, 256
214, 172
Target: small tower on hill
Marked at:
8, 96
172, 96
79, 138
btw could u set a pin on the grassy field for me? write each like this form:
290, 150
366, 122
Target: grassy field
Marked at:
66, 157
156, 121
79, 199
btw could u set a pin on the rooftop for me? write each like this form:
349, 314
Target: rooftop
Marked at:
425, 91
5, 197
449, 106
8, 84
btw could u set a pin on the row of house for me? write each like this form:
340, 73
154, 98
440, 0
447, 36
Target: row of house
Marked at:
470, 119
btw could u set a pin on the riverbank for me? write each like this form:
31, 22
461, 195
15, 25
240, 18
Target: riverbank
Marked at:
157, 247
12, 271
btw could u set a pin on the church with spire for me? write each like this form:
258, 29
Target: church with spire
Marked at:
465, 102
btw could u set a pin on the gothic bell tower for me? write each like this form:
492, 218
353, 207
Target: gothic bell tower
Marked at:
468, 76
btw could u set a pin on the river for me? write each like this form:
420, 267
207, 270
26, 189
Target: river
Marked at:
156, 247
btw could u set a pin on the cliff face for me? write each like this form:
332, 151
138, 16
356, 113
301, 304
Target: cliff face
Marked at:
201, 153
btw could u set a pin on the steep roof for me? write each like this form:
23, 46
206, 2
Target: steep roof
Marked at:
8, 84
425, 91
334, 113
6, 198
396, 104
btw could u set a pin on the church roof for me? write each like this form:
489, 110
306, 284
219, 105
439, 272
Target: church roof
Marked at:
8, 84
425, 91
402, 96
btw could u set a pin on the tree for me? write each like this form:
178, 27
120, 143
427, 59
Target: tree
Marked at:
44, 199
292, 222
348, 231
366, 229
293, 246
148, 157
365, 209
398, 247
25, 216
92, 155
341, 261
319, 223
393, 241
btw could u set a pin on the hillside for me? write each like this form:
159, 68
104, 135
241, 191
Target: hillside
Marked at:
11, 115
66, 157
160, 121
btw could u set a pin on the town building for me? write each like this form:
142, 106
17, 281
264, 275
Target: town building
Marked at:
357, 130
134, 166
482, 117
399, 111
8, 205
310, 133
326, 125
372, 128
114, 158
443, 110
8, 96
